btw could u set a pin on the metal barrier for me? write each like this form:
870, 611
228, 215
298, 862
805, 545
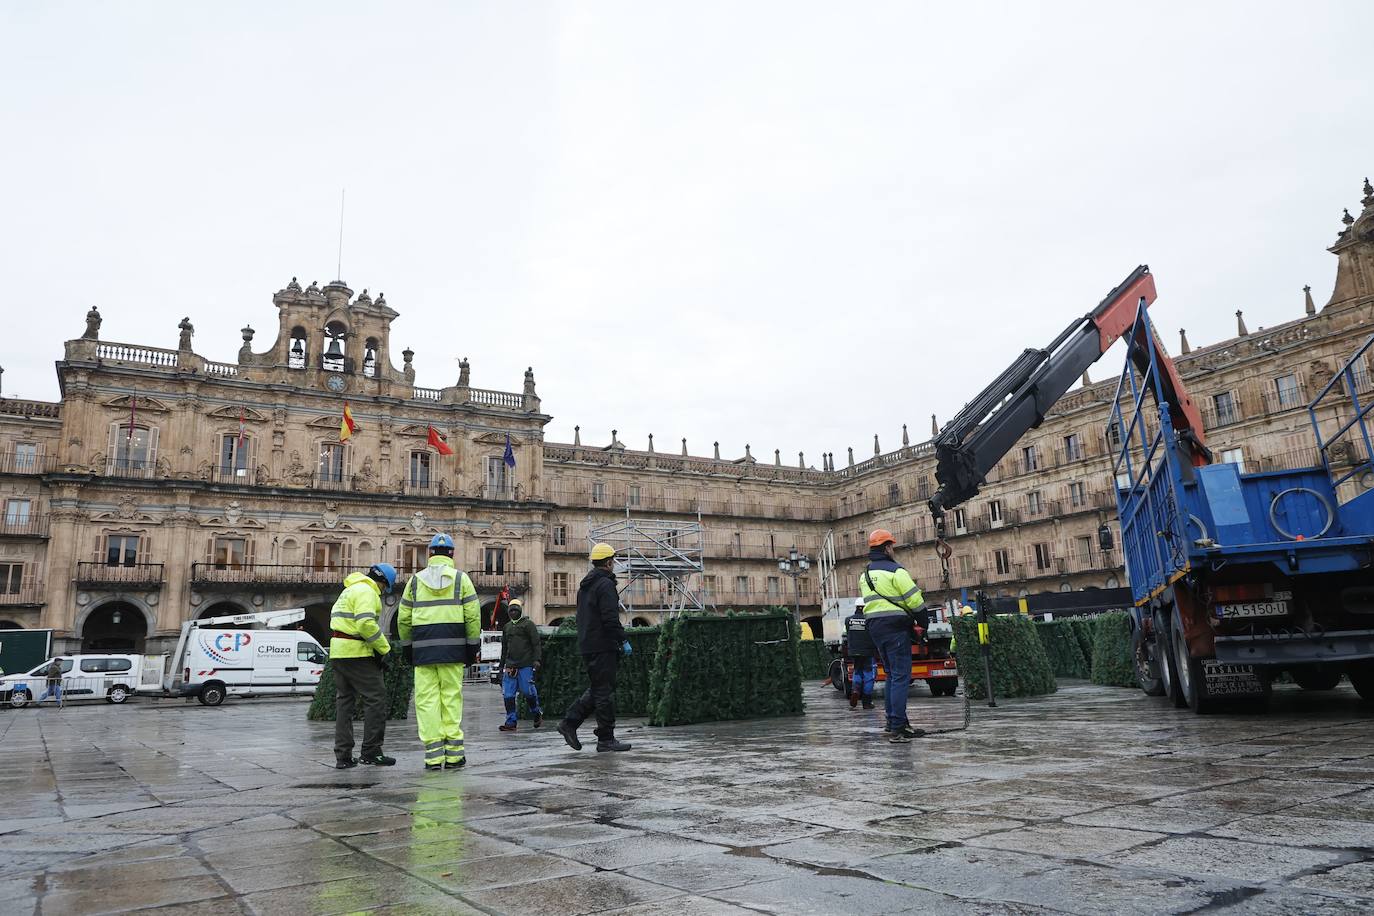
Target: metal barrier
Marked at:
35, 691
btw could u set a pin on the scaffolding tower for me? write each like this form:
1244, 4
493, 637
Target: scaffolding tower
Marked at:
656, 561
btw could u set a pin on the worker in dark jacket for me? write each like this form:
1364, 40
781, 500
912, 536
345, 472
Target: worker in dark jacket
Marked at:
859, 649
520, 655
601, 640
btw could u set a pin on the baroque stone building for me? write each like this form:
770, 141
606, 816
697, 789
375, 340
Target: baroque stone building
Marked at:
165, 486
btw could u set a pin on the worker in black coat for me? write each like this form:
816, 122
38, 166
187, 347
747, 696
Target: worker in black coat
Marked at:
601, 640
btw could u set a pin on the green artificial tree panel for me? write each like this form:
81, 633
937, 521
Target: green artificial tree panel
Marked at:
400, 684
1084, 630
1113, 663
1020, 665
1061, 646
562, 677
814, 656
712, 667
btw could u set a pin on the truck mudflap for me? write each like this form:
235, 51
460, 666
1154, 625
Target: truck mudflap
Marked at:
1294, 647
1227, 679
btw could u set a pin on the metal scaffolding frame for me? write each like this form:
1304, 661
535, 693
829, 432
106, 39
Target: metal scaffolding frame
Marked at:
668, 552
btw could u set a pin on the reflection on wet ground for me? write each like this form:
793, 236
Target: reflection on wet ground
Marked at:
1093, 800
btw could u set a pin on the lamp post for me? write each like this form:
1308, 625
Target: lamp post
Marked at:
795, 565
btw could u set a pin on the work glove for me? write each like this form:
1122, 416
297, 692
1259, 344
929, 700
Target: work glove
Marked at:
625, 649
510, 671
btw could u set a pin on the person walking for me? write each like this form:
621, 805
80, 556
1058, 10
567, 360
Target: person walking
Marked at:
892, 601
53, 682
520, 655
601, 640
860, 650
357, 652
441, 619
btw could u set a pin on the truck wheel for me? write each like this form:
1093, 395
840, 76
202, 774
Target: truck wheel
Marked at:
1168, 673
1361, 676
1317, 677
1191, 684
118, 694
211, 695
1144, 674
19, 698
943, 687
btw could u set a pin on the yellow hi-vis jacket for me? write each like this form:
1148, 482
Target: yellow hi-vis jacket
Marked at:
887, 588
440, 615
355, 617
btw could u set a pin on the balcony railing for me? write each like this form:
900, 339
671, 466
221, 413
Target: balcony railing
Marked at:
245, 477
127, 467
24, 463
516, 581
498, 493
31, 526
1215, 416
1277, 400
303, 576
135, 575
28, 591
487, 398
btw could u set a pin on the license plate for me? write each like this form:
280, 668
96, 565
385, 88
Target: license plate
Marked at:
942, 672
1252, 609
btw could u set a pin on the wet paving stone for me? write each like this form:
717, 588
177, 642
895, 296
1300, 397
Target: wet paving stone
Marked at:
1092, 801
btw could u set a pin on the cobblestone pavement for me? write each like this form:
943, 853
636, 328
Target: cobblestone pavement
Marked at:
1090, 801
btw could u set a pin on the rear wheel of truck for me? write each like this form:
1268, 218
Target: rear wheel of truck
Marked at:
118, 694
1191, 682
1164, 653
1361, 675
1317, 677
1145, 675
211, 695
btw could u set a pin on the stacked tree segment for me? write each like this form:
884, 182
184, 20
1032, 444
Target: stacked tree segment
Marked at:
1063, 649
735, 666
400, 684
1020, 666
562, 678
1112, 662
814, 657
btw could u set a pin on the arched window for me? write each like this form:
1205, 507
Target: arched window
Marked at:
335, 340
370, 356
299, 354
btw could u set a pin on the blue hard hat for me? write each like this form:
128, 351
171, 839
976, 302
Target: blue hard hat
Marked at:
387, 572
441, 540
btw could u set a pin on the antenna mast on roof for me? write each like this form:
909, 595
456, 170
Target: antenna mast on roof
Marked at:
339, 273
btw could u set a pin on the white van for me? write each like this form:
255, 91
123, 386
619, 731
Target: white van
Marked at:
113, 678
212, 664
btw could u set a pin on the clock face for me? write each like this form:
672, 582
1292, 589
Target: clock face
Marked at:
335, 383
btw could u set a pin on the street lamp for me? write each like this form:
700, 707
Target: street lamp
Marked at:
795, 565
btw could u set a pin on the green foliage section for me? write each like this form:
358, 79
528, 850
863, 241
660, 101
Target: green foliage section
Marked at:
400, 684
711, 667
813, 655
1084, 630
1113, 664
1062, 648
1020, 667
561, 677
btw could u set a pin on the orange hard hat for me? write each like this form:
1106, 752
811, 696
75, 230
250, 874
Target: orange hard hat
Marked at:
880, 537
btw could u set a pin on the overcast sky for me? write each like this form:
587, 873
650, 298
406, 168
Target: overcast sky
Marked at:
787, 224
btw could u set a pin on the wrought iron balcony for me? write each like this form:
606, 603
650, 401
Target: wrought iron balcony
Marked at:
268, 576
12, 462
517, 581
133, 575
26, 591
30, 526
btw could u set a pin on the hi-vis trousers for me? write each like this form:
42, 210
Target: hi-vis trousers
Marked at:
439, 712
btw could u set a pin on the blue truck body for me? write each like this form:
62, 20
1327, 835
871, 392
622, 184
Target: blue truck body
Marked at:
1196, 535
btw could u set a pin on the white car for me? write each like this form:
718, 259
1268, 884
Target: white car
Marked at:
114, 678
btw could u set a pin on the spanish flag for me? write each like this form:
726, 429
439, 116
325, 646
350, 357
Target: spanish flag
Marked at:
439, 443
347, 426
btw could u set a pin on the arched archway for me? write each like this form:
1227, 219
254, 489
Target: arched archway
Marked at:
817, 626
557, 622
117, 626
641, 622
221, 609
299, 351
316, 622
10, 625
501, 618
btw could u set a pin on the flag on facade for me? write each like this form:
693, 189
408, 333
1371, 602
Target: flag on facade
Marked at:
133, 417
509, 457
438, 442
346, 426
243, 438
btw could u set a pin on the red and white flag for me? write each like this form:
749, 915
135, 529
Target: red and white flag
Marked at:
438, 442
243, 437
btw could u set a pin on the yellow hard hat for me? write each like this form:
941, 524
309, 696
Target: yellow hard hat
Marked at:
602, 552
515, 602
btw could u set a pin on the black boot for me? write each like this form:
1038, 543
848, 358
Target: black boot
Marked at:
615, 744
569, 735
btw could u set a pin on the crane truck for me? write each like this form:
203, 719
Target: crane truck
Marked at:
1234, 577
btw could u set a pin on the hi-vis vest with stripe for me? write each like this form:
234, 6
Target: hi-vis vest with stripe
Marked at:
355, 617
891, 592
439, 615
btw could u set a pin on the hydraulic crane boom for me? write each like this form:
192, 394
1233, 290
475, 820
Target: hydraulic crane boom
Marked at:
989, 426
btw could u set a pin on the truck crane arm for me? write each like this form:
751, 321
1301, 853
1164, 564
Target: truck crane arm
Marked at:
971, 444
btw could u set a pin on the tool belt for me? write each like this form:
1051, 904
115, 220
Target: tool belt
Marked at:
337, 635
